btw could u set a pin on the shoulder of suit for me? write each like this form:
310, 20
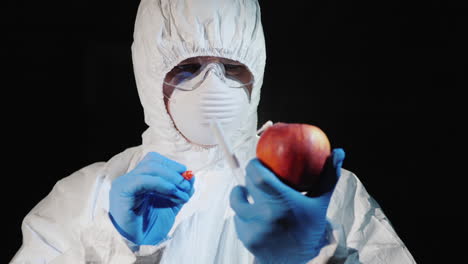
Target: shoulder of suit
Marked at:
82, 180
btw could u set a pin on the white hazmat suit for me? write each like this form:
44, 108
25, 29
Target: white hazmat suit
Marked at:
71, 224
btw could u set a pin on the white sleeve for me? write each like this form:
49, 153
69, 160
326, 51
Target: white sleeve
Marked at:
100, 242
34, 248
359, 231
62, 228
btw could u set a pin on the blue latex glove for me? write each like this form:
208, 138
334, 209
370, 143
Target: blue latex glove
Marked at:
283, 225
145, 201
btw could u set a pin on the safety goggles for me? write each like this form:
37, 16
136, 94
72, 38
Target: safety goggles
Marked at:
189, 74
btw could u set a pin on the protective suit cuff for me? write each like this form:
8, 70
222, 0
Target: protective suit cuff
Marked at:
144, 250
331, 248
140, 250
101, 242
149, 250
125, 236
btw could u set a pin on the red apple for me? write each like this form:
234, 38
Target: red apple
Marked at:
296, 153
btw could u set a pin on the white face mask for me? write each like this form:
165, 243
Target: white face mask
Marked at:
213, 98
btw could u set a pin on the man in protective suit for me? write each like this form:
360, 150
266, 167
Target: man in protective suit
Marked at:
196, 61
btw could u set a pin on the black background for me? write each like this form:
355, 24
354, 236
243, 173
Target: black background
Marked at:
381, 78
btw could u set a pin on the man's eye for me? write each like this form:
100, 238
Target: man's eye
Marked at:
192, 67
232, 67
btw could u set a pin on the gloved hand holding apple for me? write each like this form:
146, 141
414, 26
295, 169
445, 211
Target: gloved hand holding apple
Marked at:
283, 225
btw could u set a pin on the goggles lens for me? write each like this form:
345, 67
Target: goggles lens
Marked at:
235, 74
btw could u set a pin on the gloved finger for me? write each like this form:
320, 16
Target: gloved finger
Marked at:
192, 180
191, 192
260, 178
250, 232
164, 161
191, 189
338, 155
239, 202
160, 186
150, 167
240, 226
192, 186
330, 174
143, 201
319, 202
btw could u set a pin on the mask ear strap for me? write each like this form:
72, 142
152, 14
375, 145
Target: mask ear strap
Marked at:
248, 94
169, 99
